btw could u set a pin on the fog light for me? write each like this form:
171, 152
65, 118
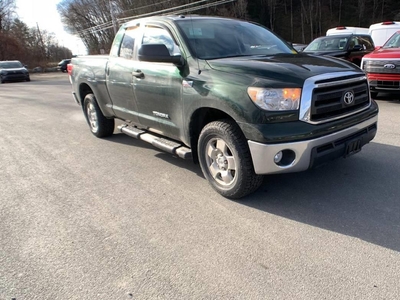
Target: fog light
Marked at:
278, 157
285, 158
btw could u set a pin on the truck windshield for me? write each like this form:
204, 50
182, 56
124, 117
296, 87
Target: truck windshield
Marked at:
221, 38
10, 65
329, 43
393, 42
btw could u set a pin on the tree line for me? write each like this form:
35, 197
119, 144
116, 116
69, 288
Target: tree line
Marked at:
32, 46
96, 21
295, 20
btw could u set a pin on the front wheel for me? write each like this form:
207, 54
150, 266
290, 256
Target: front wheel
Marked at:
100, 126
374, 95
225, 160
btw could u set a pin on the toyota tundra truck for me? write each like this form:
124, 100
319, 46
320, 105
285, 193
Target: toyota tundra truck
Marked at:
228, 94
383, 67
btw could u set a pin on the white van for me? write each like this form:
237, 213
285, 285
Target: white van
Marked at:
381, 32
347, 30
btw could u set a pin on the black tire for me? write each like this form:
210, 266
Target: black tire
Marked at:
374, 95
28, 79
99, 125
225, 160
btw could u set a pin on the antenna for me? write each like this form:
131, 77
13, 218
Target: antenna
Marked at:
195, 44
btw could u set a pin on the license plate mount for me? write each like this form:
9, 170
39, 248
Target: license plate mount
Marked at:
352, 147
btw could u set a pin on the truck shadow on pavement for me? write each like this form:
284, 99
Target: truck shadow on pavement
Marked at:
169, 158
358, 196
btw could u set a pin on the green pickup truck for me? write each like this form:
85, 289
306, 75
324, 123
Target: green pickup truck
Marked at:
228, 94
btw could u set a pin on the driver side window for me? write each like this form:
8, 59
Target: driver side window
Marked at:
158, 35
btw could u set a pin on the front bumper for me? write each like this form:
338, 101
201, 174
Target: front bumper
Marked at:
384, 82
14, 77
311, 153
384, 86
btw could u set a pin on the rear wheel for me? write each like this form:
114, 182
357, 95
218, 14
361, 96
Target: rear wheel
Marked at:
225, 160
100, 126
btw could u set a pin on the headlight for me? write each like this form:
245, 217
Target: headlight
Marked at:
275, 99
362, 64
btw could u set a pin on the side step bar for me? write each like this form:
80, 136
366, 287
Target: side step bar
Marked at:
158, 142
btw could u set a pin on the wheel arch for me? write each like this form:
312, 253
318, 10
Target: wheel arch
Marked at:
200, 118
85, 89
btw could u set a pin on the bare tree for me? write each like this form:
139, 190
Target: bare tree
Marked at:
9, 47
361, 11
7, 8
90, 20
240, 9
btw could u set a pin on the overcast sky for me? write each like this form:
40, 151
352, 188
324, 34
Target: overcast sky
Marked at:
45, 14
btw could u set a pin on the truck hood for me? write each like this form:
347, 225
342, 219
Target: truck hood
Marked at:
284, 67
385, 53
13, 69
329, 53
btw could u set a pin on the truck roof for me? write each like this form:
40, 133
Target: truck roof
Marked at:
176, 17
346, 29
381, 32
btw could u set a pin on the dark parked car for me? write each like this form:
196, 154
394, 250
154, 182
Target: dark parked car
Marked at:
13, 70
62, 65
299, 47
349, 47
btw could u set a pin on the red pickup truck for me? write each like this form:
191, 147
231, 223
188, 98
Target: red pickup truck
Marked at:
382, 67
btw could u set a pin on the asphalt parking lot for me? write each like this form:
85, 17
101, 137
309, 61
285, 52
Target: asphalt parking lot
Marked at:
115, 218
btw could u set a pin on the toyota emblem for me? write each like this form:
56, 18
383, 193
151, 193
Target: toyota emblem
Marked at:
348, 98
390, 66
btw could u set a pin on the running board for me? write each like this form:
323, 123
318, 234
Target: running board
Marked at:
158, 142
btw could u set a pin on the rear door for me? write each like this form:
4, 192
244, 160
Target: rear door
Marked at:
119, 76
366, 46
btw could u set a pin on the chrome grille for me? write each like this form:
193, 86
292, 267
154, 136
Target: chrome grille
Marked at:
325, 97
377, 66
329, 102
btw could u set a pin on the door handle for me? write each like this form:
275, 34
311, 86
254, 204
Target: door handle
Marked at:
138, 74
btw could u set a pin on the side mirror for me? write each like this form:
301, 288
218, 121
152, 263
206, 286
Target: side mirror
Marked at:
357, 48
158, 53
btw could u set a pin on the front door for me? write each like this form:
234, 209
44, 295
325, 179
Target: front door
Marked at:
159, 90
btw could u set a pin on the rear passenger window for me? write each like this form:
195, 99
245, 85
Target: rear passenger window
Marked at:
367, 43
128, 43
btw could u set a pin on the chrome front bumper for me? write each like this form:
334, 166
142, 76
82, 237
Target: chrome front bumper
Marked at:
304, 156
